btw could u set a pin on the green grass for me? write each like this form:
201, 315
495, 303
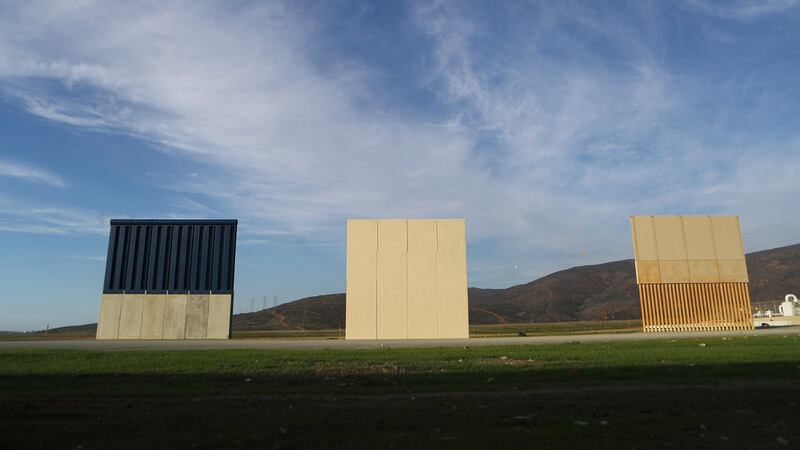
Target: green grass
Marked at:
556, 328
610, 395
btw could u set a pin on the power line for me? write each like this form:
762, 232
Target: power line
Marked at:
792, 241
770, 228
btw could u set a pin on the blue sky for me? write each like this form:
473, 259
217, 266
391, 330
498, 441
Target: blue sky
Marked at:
544, 124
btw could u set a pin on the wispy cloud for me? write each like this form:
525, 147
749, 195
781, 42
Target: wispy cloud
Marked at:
81, 257
49, 220
30, 173
742, 9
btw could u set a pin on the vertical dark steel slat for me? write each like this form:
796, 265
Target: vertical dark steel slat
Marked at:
144, 247
172, 258
225, 258
158, 251
130, 265
108, 282
122, 256
183, 255
163, 258
210, 258
175, 259
203, 257
193, 248
231, 266
215, 255
152, 258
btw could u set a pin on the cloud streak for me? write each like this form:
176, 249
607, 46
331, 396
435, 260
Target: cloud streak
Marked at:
27, 172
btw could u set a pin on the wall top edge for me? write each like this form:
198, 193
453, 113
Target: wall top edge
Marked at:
174, 222
683, 215
407, 219
161, 292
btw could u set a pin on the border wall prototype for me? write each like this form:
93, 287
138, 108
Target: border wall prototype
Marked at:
691, 273
406, 279
168, 279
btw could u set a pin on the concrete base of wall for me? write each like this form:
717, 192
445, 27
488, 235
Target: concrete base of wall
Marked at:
158, 316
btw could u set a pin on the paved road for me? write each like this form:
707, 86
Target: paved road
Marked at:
335, 343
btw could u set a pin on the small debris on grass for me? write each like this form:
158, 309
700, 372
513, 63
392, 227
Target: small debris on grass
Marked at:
247, 380
490, 379
781, 440
283, 430
582, 423
504, 358
524, 420
701, 345
603, 422
703, 427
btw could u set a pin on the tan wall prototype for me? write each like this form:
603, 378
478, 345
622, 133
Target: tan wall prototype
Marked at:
691, 272
406, 279
158, 316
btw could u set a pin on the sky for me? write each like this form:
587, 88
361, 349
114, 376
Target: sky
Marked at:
544, 124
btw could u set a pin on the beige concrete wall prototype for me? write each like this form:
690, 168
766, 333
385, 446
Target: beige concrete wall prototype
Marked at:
130, 319
175, 316
392, 280
108, 321
406, 279
197, 316
362, 254
153, 316
451, 264
219, 316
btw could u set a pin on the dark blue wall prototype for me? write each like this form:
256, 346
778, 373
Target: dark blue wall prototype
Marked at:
171, 255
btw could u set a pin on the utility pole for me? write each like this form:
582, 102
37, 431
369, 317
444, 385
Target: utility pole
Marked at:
252, 299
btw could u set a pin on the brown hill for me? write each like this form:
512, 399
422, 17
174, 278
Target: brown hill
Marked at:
580, 293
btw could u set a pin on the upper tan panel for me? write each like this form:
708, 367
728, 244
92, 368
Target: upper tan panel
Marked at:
644, 238
699, 238
728, 237
682, 249
423, 314
669, 238
392, 279
361, 301
452, 275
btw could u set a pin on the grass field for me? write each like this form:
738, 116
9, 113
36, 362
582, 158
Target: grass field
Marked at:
738, 392
531, 329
